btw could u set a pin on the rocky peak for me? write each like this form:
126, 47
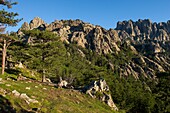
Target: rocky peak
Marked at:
146, 29
85, 35
25, 26
168, 25
36, 22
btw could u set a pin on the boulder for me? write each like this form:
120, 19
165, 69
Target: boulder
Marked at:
24, 96
62, 83
107, 98
3, 92
16, 93
100, 89
27, 98
19, 65
20, 77
48, 80
28, 88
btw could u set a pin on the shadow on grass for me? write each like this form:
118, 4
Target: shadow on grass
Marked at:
13, 71
6, 106
54, 80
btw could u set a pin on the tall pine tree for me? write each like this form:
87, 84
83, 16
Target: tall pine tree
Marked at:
45, 46
6, 19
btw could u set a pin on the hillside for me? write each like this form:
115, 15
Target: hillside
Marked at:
29, 96
133, 59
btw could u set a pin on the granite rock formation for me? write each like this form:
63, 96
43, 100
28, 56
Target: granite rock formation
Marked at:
100, 89
148, 41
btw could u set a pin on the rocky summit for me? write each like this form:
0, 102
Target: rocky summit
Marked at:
149, 42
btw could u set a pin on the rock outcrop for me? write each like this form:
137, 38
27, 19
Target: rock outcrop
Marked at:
76, 31
35, 23
100, 89
24, 96
145, 29
62, 83
143, 38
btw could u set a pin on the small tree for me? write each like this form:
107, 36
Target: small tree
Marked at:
6, 19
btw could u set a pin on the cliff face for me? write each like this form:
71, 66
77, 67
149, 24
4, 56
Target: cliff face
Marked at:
153, 36
148, 41
83, 34
151, 40
145, 29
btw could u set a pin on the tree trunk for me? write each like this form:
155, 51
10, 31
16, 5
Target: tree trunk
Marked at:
3, 57
43, 77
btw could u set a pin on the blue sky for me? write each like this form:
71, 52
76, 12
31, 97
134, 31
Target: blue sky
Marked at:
98, 12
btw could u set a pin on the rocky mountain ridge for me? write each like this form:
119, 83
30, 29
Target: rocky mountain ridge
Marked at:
149, 42
145, 29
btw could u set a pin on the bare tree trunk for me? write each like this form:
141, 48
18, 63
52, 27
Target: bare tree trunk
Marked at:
3, 57
43, 77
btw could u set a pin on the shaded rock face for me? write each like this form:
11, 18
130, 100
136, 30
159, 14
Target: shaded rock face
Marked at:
100, 89
143, 38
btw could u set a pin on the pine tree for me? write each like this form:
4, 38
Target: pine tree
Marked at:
6, 19
44, 46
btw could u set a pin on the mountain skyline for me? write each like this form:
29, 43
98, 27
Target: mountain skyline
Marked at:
103, 13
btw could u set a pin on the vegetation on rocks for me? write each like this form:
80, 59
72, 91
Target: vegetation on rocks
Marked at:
133, 59
67, 61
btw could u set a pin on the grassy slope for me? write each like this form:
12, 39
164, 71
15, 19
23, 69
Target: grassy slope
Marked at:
51, 99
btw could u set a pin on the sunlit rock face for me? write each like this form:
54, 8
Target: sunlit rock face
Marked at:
148, 41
